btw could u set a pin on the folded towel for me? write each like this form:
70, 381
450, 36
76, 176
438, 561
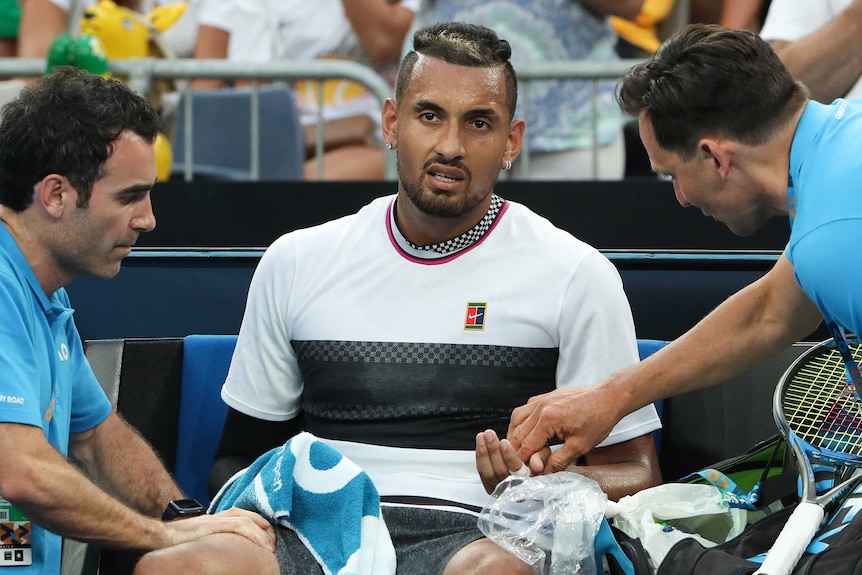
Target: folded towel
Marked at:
329, 502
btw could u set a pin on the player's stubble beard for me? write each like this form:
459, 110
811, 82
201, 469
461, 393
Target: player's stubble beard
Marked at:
441, 205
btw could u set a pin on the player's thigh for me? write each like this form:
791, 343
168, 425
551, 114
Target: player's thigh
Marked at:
222, 553
483, 556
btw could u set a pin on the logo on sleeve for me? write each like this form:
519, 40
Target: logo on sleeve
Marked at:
475, 320
63, 352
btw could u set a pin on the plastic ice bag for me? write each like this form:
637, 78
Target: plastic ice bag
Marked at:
549, 522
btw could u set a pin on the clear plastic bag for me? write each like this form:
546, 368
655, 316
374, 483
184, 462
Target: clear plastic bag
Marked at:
549, 522
663, 515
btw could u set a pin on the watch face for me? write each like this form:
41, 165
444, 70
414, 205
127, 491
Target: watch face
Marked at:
183, 508
187, 504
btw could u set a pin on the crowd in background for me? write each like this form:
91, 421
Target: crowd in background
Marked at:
375, 33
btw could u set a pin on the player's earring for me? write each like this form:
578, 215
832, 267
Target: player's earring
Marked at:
507, 165
388, 145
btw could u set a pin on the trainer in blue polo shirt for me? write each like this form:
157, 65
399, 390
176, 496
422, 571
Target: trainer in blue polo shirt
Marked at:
825, 208
77, 163
740, 139
45, 381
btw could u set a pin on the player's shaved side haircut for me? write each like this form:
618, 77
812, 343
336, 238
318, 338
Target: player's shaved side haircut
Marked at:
463, 45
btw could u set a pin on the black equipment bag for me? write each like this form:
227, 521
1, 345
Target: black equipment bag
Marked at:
835, 549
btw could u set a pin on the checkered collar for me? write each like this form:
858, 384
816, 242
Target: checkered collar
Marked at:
456, 244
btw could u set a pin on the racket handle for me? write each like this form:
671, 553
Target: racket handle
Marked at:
793, 539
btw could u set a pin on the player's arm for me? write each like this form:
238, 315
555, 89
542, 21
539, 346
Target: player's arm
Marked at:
755, 323
244, 439
52, 492
41, 22
623, 468
829, 60
380, 25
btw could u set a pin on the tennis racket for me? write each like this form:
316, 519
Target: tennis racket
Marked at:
819, 412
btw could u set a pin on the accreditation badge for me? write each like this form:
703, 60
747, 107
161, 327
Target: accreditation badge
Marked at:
15, 531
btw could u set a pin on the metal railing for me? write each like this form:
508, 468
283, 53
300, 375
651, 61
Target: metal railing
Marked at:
140, 73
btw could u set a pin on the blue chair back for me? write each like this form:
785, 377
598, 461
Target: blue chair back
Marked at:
647, 347
206, 359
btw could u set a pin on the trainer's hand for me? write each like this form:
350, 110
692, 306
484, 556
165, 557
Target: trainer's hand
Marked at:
581, 417
496, 459
250, 525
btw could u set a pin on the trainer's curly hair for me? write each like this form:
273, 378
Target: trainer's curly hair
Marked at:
710, 80
66, 123
463, 45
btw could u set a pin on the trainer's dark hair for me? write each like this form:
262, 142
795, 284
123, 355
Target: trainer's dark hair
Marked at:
66, 123
463, 45
710, 80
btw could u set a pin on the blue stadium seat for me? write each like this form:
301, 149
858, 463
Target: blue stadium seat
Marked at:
221, 140
206, 359
647, 347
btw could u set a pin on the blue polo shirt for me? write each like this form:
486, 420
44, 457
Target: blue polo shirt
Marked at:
45, 379
825, 206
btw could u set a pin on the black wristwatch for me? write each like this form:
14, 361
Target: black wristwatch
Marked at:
183, 509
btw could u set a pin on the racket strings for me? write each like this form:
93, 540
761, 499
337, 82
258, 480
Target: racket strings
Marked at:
822, 408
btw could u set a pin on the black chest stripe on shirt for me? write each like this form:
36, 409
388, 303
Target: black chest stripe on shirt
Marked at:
423, 395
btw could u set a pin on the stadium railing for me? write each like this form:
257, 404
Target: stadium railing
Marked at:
141, 73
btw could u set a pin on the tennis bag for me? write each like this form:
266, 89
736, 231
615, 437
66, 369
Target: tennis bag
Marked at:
766, 482
835, 549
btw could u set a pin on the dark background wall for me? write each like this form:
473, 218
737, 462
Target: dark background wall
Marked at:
627, 214
191, 274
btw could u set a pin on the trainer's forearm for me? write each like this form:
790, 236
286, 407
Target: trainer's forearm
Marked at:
118, 459
55, 494
750, 326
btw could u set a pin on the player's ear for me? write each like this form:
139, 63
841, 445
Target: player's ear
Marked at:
514, 140
390, 122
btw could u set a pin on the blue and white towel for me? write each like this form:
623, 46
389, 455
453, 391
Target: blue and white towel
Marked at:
329, 502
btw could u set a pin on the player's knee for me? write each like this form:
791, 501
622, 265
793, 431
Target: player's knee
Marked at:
151, 564
181, 559
482, 557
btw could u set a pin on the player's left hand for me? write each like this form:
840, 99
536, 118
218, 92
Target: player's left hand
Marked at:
496, 459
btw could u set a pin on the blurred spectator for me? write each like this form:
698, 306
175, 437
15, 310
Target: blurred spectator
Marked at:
10, 17
820, 44
639, 37
743, 14
739, 14
43, 20
559, 116
369, 32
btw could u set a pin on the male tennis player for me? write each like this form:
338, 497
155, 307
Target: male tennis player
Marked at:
404, 335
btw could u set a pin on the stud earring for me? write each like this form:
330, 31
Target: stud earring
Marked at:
388, 145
